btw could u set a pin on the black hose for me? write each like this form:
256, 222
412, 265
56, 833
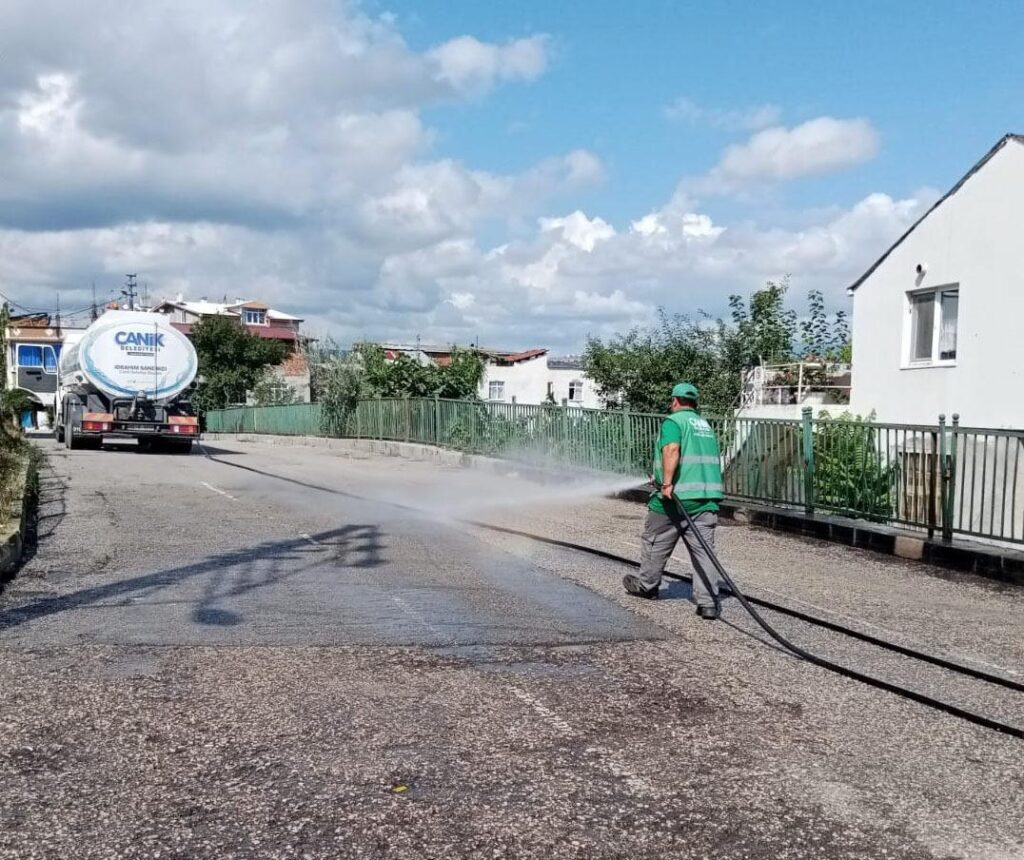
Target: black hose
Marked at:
870, 680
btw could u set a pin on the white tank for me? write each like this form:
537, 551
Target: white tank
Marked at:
125, 353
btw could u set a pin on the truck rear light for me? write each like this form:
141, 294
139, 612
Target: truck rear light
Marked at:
185, 429
96, 426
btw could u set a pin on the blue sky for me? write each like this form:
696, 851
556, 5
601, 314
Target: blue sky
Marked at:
941, 81
528, 173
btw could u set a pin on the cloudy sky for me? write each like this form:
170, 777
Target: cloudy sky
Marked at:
523, 173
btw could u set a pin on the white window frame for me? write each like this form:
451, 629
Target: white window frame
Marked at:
261, 316
576, 384
491, 383
911, 363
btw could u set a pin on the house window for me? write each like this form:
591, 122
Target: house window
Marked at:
495, 390
933, 325
576, 391
30, 355
255, 316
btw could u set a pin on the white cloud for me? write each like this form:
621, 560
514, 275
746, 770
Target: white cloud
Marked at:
686, 110
579, 230
777, 154
283, 153
470, 66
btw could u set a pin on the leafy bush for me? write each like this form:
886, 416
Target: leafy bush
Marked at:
851, 472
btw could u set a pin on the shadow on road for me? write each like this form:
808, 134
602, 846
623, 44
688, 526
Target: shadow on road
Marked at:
227, 575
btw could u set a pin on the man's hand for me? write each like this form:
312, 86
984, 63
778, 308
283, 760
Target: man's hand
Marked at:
666, 490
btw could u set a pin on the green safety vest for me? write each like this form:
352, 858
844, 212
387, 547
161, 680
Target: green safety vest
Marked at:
700, 464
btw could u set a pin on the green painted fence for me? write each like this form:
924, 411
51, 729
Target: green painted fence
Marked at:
939, 478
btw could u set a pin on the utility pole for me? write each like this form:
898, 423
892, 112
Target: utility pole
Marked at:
56, 322
130, 290
145, 296
94, 313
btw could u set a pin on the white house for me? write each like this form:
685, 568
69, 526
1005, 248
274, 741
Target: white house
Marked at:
530, 377
938, 320
533, 377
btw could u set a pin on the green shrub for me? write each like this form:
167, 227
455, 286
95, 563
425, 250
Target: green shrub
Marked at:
852, 474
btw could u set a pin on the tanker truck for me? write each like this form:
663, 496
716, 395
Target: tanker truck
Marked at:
130, 375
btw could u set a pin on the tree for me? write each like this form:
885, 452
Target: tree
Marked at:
339, 380
765, 329
824, 339
405, 376
815, 331
639, 368
272, 390
231, 361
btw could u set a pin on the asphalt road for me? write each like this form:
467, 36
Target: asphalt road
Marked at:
201, 660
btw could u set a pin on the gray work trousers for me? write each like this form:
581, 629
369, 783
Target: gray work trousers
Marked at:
661, 534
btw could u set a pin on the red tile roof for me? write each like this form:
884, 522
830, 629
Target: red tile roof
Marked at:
522, 356
269, 332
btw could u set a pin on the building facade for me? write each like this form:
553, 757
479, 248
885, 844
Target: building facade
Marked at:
936, 320
260, 320
530, 377
534, 377
34, 343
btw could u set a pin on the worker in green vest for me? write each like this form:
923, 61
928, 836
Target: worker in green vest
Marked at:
687, 473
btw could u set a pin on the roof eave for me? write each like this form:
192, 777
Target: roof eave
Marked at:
1006, 138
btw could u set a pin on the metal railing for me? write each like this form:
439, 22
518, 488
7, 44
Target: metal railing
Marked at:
941, 478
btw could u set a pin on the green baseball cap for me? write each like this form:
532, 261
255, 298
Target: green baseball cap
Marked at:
685, 391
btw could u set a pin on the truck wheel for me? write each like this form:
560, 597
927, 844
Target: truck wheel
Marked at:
71, 441
59, 434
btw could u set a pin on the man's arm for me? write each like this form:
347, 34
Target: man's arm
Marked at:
669, 464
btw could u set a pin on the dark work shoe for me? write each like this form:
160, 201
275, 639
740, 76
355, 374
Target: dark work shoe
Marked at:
708, 613
634, 586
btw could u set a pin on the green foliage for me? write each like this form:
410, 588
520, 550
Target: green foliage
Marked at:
764, 330
341, 385
850, 473
272, 390
824, 338
339, 381
231, 361
405, 376
639, 368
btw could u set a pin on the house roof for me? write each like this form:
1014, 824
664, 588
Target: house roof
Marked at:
516, 357
441, 355
268, 332
281, 315
1006, 138
207, 308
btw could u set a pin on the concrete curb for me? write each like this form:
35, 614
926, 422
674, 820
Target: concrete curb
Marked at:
1002, 564
12, 532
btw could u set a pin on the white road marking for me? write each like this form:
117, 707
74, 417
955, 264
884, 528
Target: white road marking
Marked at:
419, 618
219, 490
